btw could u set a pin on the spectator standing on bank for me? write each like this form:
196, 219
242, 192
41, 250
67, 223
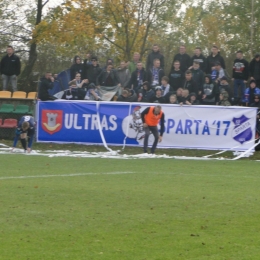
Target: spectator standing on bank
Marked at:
213, 58
209, 91
108, 77
77, 67
183, 58
151, 117
138, 77
124, 74
132, 66
93, 70
240, 74
254, 70
155, 54
10, 68
200, 58
155, 74
176, 76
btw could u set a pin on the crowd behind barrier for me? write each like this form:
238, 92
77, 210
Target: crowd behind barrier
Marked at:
193, 80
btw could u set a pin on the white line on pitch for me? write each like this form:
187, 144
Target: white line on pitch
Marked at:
61, 175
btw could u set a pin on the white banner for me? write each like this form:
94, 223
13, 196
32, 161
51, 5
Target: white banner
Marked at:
209, 127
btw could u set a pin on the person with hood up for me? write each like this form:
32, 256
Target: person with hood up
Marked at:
77, 67
209, 91
145, 93
158, 97
192, 100
250, 93
223, 99
155, 54
256, 102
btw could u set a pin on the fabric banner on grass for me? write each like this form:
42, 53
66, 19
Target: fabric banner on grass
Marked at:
198, 127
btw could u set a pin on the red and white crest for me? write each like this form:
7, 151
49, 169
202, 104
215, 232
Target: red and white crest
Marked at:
52, 120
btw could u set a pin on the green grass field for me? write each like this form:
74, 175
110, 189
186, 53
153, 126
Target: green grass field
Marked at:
128, 209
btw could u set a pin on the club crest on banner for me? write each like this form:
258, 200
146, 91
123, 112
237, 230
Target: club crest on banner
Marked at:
52, 120
242, 131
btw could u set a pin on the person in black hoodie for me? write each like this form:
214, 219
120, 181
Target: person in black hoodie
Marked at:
46, 83
158, 97
199, 57
209, 91
93, 71
128, 95
145, 93
10, 68
190, 84
155, 54
213, 58
77, 67
256, 102
138, 77
183, 58
254, 70
240, 74
176, 76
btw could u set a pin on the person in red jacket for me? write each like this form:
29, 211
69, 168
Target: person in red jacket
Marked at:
151, 117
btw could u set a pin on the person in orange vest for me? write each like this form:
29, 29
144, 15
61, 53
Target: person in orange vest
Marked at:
151, 117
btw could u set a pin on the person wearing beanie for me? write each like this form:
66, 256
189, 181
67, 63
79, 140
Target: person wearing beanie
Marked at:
158, 97
250, 92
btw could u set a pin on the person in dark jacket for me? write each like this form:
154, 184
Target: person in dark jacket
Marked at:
108, 77
183, 58
209, 91
192, 99
138, 77
46, 83
145, 93
77, 67
199, 57
158, 97
128, 95
93, 71
213, 58
155, 54
256, 102
176, 76
197, 75
190, 84
254, 70
10, 68
155, 74
250, 93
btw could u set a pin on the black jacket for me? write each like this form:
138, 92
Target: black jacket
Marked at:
202, 61
240, 69
150, 76
191, 86
254, 69
184, 60
92, 73
44, 86
102, 77
212, 60
76, 68
152, 56
133, 80
132, 98
176, 79
10, 65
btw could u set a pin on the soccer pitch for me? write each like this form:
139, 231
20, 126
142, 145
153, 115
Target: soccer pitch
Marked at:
92, 208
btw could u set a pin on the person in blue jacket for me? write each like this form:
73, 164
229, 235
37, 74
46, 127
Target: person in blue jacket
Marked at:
250, 93
25, 128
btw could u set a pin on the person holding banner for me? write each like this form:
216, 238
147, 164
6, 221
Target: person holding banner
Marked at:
151, 117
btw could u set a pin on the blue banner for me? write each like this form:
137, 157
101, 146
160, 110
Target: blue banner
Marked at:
115, 123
